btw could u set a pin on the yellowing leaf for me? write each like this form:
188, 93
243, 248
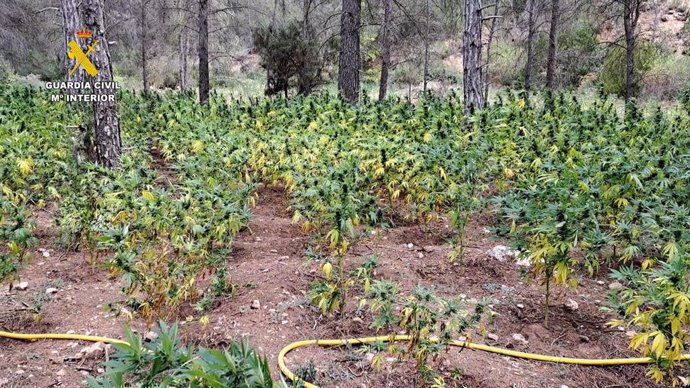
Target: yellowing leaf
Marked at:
327, 269
148, 195
659, 344
25, 166
197, 145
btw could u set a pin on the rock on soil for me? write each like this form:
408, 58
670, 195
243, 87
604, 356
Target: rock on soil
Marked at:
520, 338
501, 252
571, 305
93, 351
21, 286
615, 286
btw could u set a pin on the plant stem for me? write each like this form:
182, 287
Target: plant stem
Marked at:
549, 274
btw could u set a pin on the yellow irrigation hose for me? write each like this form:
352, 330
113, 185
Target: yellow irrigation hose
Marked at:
511, 353
367, 340
90, 338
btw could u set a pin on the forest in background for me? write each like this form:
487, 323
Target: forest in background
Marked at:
154, 44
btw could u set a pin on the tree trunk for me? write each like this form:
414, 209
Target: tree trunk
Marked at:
531, 27
306, 8
203, 52
385, 48
184, 75
72, 24
88, 14
426, 49
485, 74
553, 41
631, 14
472, 56
143, 41
349, 61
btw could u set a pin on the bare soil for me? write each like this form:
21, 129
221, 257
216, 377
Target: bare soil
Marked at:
268, 264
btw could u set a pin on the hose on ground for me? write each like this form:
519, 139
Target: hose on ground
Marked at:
368, 340
463, 344
80, 337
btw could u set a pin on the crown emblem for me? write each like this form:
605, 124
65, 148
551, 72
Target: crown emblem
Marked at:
83, 34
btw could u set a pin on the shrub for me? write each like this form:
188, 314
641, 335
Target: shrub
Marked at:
5, 70
502, 68
17, 229
667, 77
578, 55
291, 58
612, 74
654, 300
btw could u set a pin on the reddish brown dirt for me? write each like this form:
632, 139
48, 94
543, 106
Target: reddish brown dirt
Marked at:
268, 264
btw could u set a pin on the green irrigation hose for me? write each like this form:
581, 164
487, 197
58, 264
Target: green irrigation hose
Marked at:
367, 340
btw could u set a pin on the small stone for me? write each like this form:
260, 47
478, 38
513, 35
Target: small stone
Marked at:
255, 304
572, 305
282, 258
420, 255
564, 386
20, 371
520, 306
150, 336
46, 254
284, 322
358, 320
521, 338
630, 333
100, 371
61, 372
257, 239
584, 338
51, 290
502, 252
273, 251
410, 245
369, 357
492, 337
600, 282
21, 286
615, 286
93, 351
